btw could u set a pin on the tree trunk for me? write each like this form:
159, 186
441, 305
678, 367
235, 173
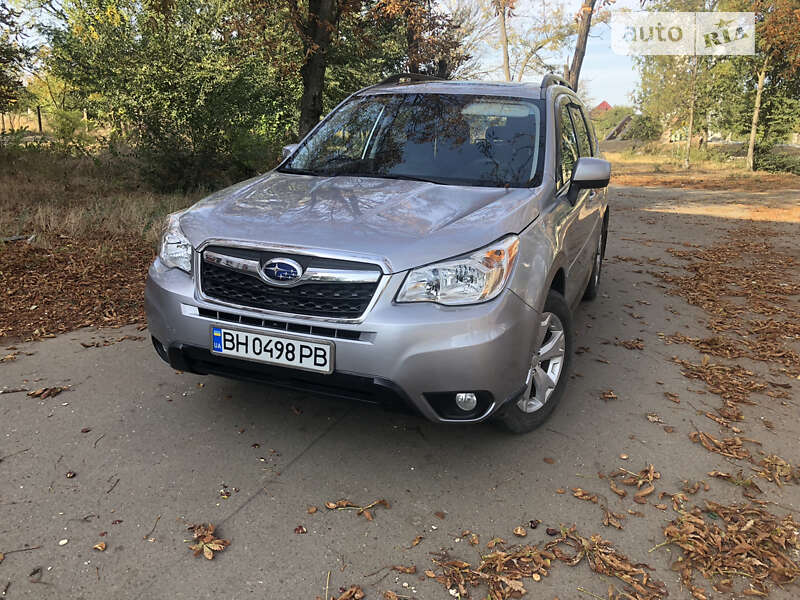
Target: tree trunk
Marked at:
692, 101
504, 40
573, 73
412, 41
751, 146
317, 28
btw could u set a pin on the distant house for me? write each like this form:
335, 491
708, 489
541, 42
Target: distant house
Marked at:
601, 108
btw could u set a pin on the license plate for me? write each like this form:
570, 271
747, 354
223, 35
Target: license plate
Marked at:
273, 349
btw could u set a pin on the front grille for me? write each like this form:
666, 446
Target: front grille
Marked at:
331, 300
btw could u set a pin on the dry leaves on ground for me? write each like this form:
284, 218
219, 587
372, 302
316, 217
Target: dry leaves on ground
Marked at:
635, 344
774, 468
746, 484
78, 282
605, 559
48, 392
354, 592
502, 571
205, 540
730, 447
721, 542
643, 480
744, 266
407, 570
360, 510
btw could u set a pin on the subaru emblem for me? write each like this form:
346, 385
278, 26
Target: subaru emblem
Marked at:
281, 271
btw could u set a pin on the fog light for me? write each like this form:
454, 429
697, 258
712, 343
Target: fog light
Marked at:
466, 401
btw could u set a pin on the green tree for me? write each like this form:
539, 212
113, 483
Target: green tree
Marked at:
12, 57
175, 77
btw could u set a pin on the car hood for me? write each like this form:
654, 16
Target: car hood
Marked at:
401, 224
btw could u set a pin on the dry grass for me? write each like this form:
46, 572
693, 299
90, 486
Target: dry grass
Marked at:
666, 170
50, 195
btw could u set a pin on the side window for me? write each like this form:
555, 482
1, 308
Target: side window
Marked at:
569, 147
584, 143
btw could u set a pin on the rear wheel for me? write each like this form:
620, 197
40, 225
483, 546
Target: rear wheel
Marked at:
548, 372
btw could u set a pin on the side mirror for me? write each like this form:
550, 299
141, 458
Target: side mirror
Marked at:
590, 173
288, 150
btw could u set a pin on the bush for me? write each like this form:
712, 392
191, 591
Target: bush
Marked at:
767, 160
642, 127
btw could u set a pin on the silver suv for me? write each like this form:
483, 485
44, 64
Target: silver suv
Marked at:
425, 244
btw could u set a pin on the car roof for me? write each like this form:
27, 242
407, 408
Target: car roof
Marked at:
446, 86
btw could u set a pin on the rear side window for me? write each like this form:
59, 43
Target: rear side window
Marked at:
584, 143
568, 154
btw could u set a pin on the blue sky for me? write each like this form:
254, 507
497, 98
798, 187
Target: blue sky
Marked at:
608, 76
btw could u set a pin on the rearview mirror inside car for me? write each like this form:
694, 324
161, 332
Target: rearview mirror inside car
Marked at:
590, 173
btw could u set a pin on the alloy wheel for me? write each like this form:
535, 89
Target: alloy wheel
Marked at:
546, 364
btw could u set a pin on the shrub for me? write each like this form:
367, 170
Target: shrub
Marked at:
767, 160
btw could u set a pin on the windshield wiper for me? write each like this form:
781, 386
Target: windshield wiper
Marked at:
408, 178
298, 171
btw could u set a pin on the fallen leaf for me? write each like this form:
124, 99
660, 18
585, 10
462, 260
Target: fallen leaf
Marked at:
549, 460
101, 546
608, 395
417, 540
354, 592
300, 529
86, 430
640, 497
407, 570
439, 514
205, 540
311, 510
70, 474
520, 531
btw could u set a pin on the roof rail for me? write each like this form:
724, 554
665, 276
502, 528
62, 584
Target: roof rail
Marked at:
407, 78
553, 79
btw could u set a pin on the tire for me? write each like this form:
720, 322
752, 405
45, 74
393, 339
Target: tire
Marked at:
593, 287
538, 405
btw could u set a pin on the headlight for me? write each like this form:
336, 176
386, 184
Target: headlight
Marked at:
478, 277
175, 250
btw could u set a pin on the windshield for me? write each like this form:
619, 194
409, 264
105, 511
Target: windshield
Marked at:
442, 138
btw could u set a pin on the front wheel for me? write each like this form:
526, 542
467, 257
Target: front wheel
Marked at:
549, 370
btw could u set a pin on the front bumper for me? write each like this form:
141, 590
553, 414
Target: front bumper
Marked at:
418, 352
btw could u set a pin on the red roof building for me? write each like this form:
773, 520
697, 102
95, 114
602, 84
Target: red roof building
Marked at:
602, 107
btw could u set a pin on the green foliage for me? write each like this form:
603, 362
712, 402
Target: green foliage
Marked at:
12, 57
642, 127
605, 121
204, 92
766, 159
